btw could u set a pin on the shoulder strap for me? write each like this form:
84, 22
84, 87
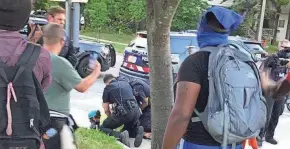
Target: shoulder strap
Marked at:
44, 111
213, 52
30, 55
28, 59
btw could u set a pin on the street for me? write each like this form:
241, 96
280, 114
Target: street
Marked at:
81, 104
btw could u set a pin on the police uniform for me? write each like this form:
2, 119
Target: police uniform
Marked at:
141, 91
125, 108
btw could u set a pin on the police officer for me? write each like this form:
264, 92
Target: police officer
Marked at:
125, 109
141, 92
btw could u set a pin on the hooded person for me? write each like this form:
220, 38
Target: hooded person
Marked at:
14, 14
192, 87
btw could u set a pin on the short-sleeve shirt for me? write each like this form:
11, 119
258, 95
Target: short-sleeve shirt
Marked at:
195, 69
64, 79
116, 90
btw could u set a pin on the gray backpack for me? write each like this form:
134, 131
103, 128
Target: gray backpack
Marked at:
236, 108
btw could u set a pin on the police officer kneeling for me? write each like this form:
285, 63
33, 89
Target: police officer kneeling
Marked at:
125, 109
141, 91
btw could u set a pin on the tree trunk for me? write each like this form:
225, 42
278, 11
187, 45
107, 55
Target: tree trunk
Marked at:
276, 28
159, 18
288, 27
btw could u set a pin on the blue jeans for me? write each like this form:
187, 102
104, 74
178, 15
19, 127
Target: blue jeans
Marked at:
188, 145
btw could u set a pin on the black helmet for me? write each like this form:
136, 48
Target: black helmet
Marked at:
14, 14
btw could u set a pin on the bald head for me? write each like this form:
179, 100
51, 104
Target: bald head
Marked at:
53, 38
53, 34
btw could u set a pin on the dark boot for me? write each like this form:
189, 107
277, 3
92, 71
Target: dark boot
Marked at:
271, 141
139, 136
124, 138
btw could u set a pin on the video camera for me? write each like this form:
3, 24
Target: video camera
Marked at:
36, 21
274, 61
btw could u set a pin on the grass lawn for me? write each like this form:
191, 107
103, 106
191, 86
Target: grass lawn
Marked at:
93, 139
119, 48
122, 38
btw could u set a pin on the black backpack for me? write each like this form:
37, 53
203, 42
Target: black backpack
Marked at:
29, 111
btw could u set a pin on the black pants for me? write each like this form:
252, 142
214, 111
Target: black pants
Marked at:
130, 122
145, 119
276, 112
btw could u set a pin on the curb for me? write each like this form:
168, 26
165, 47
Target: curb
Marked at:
124, 146
102, 40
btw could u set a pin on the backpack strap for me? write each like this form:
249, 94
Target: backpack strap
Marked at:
44, 111
30, 55
28, 59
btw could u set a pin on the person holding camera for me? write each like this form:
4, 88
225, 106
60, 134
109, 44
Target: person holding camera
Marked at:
125, 109
278, 70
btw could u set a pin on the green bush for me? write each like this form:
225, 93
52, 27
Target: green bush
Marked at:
272, 49
93, 139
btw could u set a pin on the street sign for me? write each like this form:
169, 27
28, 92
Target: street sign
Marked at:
73, 1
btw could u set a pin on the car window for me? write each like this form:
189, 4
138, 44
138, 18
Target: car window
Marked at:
84, 46
254, 46
179, 44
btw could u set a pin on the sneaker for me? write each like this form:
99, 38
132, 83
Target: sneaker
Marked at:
139, 137
271, 141
124, 138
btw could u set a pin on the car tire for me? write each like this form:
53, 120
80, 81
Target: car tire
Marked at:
112, 55
288, 106
83, 67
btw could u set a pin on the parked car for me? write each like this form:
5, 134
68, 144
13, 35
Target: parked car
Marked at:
135, 63
252, 46
79, 57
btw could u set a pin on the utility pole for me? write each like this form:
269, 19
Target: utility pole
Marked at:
76, 24
262, 15
68, 4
